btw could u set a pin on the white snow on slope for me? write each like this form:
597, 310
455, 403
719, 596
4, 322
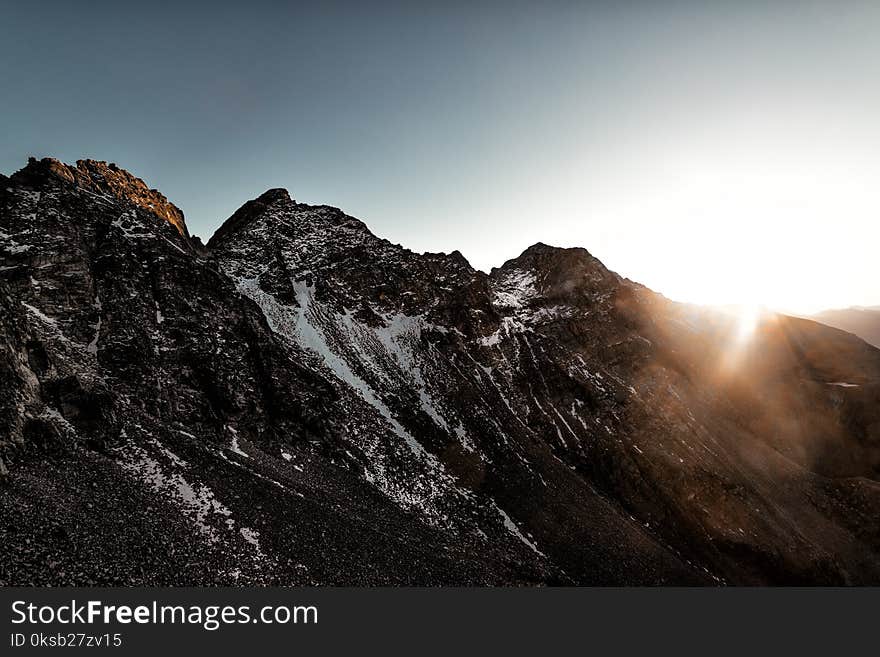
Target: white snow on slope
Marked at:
127, 222
301, 325
313, 338
234, 447
424, 484
40, 315
92, 347
514, 289
55, 417
399, 336
251, 536
514, 530
197, 501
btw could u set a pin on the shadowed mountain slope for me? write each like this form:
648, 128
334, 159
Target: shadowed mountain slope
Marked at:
303, 402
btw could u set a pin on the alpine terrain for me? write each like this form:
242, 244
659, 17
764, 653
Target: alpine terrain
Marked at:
863, 322
300, 402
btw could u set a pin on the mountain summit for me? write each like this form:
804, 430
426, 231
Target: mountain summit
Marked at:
302, 402
105, 179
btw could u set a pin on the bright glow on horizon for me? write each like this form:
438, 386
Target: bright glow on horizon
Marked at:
758, 224
748, 318
725, 213
719, 153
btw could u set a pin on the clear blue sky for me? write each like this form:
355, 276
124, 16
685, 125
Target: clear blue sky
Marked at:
701, 149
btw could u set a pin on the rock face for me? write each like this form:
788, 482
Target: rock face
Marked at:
106, 180
301, 402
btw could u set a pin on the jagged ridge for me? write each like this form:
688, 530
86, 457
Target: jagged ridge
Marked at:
304, 402
103, 178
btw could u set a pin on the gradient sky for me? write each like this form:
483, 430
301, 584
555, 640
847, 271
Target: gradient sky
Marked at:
716, 154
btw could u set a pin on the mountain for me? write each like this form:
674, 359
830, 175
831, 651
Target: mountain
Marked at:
863, 322
301, 402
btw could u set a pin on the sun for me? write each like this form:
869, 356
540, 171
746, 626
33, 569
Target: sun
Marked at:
743, 321
748, 316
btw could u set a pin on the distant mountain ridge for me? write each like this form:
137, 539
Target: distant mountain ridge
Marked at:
301, 402
861, 321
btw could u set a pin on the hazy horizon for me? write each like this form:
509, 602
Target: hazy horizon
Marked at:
718, 155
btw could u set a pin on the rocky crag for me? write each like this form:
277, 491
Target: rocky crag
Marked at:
301, 402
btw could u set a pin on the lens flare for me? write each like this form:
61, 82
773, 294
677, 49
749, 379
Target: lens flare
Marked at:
747, 318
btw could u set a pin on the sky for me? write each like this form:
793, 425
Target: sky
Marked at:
721, 153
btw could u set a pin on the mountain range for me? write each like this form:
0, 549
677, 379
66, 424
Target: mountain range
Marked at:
300, 402
863, 322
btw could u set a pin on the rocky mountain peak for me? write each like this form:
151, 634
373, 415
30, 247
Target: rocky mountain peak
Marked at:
560, 272
310, 389
275, 195
105, 178
250, 211
276, 216
541, 253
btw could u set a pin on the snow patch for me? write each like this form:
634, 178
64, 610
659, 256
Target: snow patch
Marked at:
514, 530
252, 537
92, 347
234, 447
197, 500
40, 315
517, 287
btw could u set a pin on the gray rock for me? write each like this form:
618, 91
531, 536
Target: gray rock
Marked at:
301, 402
